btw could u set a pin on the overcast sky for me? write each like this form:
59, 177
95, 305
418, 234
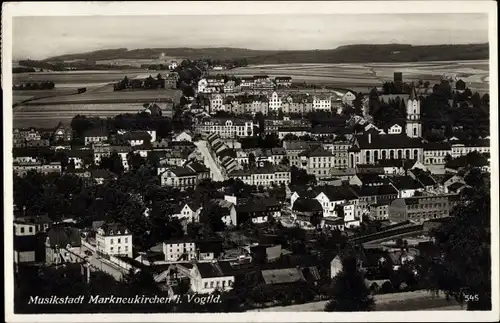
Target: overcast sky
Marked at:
41, 37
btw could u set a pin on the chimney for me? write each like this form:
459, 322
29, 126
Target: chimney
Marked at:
369, 138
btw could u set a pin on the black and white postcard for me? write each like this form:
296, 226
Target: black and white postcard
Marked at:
250, 161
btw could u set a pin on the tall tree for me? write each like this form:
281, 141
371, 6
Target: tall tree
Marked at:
462, 266
349, 292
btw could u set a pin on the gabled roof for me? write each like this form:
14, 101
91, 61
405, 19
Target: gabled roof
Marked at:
114, 229
388, 142
307, 205
214, 269
336, 193
282, 276
405, 182
375, 190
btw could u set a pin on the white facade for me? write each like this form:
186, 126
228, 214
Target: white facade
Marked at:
348, 98
183, 136
208, 285
175, 249
395, 130
458, 150
114, 243
413, 125
275, 102
323, 104
187, 213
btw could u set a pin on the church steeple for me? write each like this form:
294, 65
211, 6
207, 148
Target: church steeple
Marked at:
413, 93
413, 125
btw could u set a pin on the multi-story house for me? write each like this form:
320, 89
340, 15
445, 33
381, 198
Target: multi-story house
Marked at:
22, 169
216, 81
31, 225
178, 177
370, 148
247, 83
348, 98
216, 102
406, 186
188, 212
100, 150
63, 133
275, 102
95, 135
370, 195
322, 103
435, 153
298, 131
114, 239
419, 208
283, 81
183, 249
333, 198
317, 161
339, 149
207, 277
297, 104
294, 148
230, 87
38, 143
463, 147
137, 138
226, 128
263, 176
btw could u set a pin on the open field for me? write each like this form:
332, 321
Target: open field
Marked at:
80, 78
361, 75
105, 95
49, 107
47, 116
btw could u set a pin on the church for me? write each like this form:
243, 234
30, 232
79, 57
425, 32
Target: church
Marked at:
371, 146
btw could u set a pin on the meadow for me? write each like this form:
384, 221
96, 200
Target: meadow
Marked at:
364, 75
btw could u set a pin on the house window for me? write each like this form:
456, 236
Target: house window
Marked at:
111, 241
206, 285
211, 284
22, 229
126, 240
30, 229
119, 240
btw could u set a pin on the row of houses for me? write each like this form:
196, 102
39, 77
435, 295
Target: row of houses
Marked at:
218, 84
287, 103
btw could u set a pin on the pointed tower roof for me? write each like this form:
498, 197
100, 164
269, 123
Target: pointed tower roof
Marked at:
413, 93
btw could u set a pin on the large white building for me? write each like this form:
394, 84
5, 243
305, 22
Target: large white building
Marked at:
322, 103
114, 239
226, 128
275, 102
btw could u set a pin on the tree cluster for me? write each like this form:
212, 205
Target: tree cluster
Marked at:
148, 83
44, 85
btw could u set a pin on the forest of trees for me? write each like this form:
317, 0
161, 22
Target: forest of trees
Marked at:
467, 114
148, 83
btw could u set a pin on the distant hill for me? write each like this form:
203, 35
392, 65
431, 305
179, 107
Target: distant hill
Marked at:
342, 54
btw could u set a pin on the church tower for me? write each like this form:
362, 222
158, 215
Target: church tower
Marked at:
413, 125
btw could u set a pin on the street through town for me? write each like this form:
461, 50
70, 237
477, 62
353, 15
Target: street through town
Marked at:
215, 171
